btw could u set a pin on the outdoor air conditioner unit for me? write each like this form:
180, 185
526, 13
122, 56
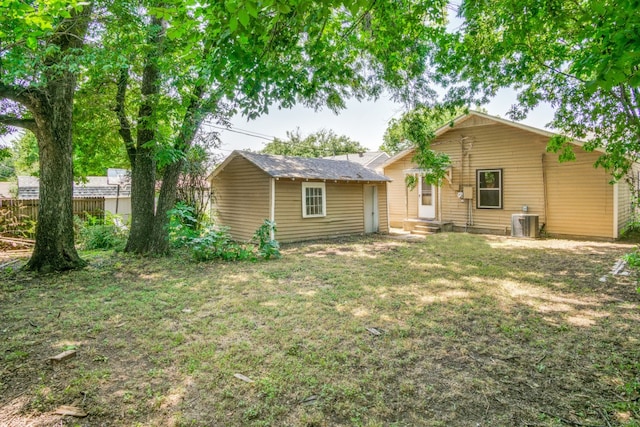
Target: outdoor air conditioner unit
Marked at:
524, 225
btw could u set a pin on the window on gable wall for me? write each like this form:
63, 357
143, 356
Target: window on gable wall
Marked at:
489, 194
314, 200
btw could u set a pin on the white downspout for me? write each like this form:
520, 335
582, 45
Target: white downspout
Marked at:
272, 210
615, 210
386, 204
439, 189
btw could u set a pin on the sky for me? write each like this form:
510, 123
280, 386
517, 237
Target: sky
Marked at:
364, 122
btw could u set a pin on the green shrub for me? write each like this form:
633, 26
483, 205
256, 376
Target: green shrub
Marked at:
267, 247
183, 225
207, 242
631, 231
215, 242
633, 259
95, 233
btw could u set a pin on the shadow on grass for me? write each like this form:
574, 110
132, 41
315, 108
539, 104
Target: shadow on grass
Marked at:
470, 331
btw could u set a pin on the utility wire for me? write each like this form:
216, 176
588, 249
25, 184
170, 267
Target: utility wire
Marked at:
243, 132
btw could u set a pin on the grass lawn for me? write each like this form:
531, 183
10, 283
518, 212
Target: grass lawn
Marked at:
453, 330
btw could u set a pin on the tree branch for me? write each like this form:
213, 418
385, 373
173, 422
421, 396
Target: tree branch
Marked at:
192, 119
359, 20
18, 94
628, 105
70, 33
29, 124
125, 125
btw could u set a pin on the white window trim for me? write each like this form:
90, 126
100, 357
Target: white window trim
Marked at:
499, 188
321, 185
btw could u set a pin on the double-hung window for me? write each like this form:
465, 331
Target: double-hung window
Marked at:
314, 200
489, 195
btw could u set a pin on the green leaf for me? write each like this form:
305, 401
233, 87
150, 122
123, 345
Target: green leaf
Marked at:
233, 23
243, 17
32, 42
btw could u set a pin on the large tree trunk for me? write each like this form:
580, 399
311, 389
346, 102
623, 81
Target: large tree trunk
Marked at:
143, 180
149, 233
170, 178
55, 247
141, 153
52, 109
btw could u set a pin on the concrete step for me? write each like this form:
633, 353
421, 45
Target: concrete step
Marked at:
424, 230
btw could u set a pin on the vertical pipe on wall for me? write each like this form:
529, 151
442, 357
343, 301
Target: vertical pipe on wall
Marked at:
615, 210
272, 208
439, 190
544, 188
406, 201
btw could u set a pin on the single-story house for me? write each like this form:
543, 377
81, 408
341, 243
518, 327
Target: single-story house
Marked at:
501, 175
370, 159
117, 200
307, 198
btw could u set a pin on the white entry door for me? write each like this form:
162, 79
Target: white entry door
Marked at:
370, 209
426, 200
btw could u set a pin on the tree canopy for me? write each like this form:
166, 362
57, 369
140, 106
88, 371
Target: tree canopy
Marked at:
179, 63
322, 143
155, 72
580, 57
415, 125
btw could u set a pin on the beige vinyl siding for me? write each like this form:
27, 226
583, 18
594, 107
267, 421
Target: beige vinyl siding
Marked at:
344, 216
516, 152
402, 202
580, 198
571, 198
487, 146
626, 204
241, 198
383, 219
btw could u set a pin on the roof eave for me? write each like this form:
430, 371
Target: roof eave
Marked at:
308, 178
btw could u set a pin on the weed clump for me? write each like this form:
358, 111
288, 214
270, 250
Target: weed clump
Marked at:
207, 241
101, 234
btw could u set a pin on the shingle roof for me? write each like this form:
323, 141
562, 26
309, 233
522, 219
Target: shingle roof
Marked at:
95, 186
307, 168
370, 159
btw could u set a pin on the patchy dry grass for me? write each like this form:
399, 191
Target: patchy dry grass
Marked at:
474, 331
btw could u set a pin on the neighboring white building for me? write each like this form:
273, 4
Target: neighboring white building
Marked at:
116, 200
6, 189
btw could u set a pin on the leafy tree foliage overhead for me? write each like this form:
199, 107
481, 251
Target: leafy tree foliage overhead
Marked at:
91, 157
415, 125
318, 144
582, 57
180, 62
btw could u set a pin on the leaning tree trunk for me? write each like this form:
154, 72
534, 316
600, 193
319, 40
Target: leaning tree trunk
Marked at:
171, 176
55, 247
142, 152
143, 179
159, 242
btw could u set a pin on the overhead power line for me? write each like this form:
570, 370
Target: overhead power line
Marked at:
244, 132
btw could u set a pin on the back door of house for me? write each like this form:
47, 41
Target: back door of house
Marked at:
370, 209
426, 200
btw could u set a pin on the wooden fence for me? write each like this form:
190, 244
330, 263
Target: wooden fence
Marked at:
18, 216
